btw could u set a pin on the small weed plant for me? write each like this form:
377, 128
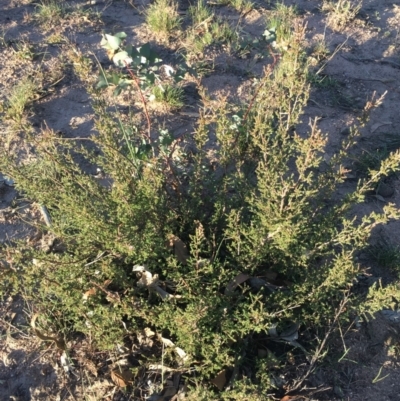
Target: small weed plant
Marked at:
212, 31
386, 255
243, 6
162, 18
17, 103
226, 241
50, 13
200, 12
171, 97
142, 65
341, 12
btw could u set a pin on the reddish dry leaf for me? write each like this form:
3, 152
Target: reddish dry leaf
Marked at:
89, 293
91, 367
220, 380
107, 283
292, 398
121, 378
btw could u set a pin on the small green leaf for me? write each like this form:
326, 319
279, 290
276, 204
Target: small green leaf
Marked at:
120, 35
101, 84
269, 35
125, 83
114, 78
121, 59
150, 78
113, 41
117, 91
147, 52
132, 51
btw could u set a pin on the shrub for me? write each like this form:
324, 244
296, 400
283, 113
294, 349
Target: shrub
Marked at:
226, 256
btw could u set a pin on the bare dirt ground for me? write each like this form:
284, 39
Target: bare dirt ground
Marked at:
364, 59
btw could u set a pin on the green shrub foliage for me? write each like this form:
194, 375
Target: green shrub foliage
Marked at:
198, 214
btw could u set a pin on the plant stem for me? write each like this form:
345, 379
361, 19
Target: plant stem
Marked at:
136, 81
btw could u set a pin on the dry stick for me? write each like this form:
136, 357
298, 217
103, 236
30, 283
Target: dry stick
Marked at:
136, 81
321, 347
336, 51
15, 328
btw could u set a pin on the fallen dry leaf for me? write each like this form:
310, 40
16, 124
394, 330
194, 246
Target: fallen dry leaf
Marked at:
91, 367
161, 368
239, 279
107, 283
121, 378
89, 293
166, 342
179, 248
147, 279
220, 380
181, 353
148, 332
58, 341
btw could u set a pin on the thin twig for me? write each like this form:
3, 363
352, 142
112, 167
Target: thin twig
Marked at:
136, 81
338, 48
269, 71
318, 351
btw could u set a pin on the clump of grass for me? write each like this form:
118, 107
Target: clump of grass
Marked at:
199, 12
341, 12
279, 23
82, 64
18, 100
50, 13
319, 52
212, 32
170, 96
25, 51
386, 255
243, 6
370, 160
162, 18
206, 29
322, 81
